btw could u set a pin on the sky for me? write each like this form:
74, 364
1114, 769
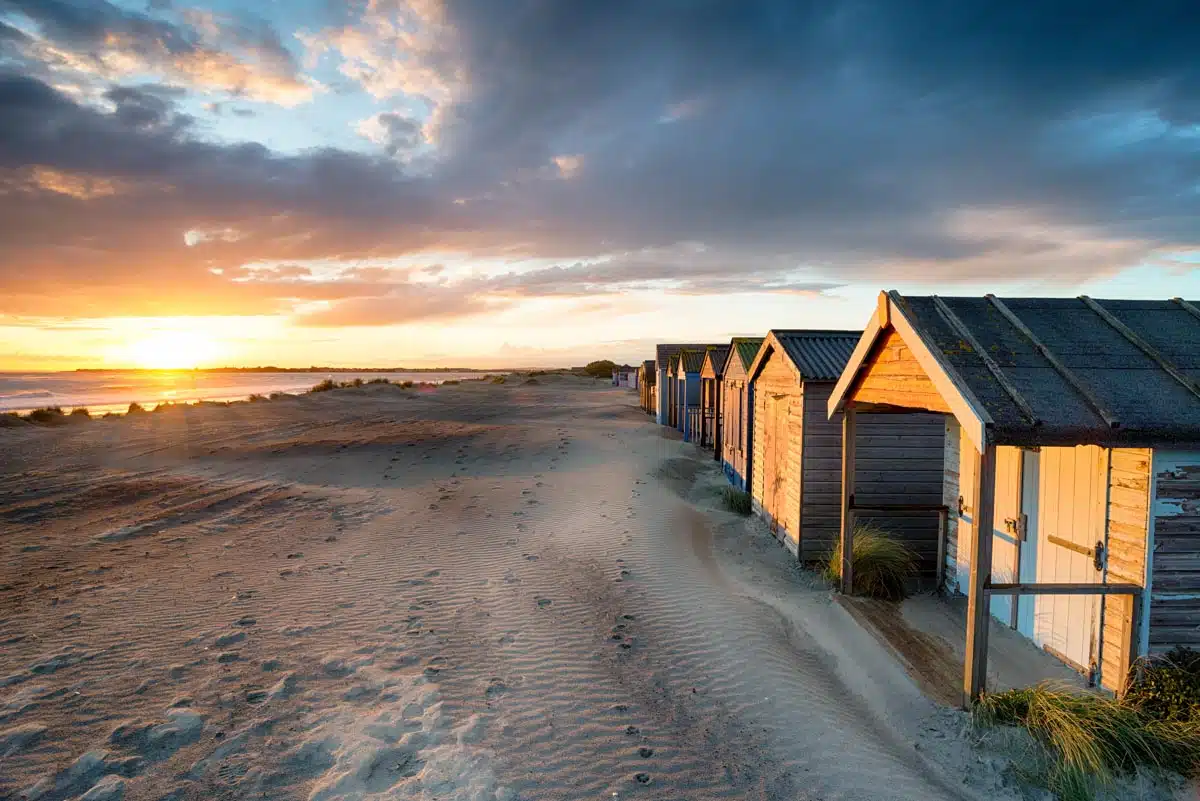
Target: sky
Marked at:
530, 183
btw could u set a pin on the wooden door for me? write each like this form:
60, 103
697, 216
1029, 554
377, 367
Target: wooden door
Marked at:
1071, 510
1027, 570
770, 478
1007, 528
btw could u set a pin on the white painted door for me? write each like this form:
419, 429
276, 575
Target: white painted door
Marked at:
1027, 572
1006, 530
1071, 500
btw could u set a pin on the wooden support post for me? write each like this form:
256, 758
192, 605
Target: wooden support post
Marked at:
848, 437
984, 494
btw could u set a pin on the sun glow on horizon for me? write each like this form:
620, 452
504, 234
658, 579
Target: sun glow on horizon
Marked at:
173, 350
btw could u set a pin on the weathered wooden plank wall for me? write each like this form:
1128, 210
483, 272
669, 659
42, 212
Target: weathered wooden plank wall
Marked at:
1128, 519
893, 376
734, 427
1175, 569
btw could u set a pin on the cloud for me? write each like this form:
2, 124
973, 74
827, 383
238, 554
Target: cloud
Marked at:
719, 148
86, 39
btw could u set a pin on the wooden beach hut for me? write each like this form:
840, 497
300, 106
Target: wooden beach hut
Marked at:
665, 400
796, 483
687, 391
647, 383
710, 397
1073, 444
737, 410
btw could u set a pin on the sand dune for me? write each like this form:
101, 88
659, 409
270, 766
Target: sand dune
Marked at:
478, 592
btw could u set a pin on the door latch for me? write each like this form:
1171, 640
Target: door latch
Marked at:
962, 507
1017, 526
1098, 555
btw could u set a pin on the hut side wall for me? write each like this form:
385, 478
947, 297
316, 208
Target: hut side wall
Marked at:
1175, 537
1126, 530
899, 460
662, 400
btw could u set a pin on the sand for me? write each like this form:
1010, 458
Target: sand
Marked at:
478, 592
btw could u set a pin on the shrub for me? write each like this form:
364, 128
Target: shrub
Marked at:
1090, 739
135, 408
80, 414
600, 369
324, 386
48, 416
1167, 687
735, 500
882, 565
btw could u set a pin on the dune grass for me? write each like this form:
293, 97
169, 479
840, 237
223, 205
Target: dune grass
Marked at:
1091, 739
735, 500
882, 565
451, 383
324, 386
135, 408
47, 416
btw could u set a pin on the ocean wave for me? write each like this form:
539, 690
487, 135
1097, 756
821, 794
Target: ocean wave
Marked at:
32, 393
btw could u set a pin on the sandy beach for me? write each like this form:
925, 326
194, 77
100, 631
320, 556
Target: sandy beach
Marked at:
477, 592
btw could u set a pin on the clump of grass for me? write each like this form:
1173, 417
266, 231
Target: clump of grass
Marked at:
499, 379
406, 385
80, 414
358, 382
1167, 686
1091, 739
882, 565
135, 408
256, 398
47, 416
735, 500
379, 381
279, 396
324, 386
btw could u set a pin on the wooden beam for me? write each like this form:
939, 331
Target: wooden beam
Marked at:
1187, 307
943, 534
1068, 375
984, 494
848, 437
993, 367
1142, 345
1062, 589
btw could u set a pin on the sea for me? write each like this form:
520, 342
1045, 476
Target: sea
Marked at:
112, 391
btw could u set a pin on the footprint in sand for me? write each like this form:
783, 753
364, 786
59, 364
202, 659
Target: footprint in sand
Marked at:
544, 602
645, 753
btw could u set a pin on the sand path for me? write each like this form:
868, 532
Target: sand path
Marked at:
479, 592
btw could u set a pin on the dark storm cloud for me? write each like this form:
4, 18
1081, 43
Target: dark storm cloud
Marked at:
796, 145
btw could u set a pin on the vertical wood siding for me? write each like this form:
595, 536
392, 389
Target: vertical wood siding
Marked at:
735, 416
1175, 569
892, 376
1128, 516
952, 490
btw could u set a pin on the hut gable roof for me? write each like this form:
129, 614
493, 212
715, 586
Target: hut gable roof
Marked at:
1052, 371
742, 351
663, 353
690, 361
648, 372
814, 355
714, 361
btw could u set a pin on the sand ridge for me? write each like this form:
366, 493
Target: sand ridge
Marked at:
478, 592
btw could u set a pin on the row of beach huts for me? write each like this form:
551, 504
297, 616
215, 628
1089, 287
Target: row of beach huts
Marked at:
1069, 429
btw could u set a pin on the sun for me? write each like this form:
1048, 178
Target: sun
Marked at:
173, 350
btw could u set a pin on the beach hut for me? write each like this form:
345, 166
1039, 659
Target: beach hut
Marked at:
647, 382
665, 401
736, 410
796, 483
1073, 440
625, 376
687, 374
710, 396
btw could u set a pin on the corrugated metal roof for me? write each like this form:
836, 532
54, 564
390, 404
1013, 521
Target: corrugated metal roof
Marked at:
1065, 371
716, 356
664, 352
672, 363
693, 360
818, 355
747, 349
